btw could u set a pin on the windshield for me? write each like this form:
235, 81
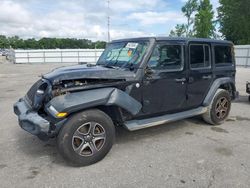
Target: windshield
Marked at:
123, 54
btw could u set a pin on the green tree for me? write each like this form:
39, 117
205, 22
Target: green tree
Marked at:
4, 43
188, 10
13, 41
100, 44
179, 31
234, 19
204, 25
49, 43
30, 44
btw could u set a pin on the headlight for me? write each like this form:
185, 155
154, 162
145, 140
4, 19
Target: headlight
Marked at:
55, 113
42, 88
40, 92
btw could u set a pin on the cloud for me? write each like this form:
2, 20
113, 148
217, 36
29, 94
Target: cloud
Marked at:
215, 3
84, 18
132, 5
118, 34
152, 18
13, 13
16, 19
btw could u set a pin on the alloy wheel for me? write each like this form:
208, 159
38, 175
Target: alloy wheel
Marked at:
88, 139
221, 108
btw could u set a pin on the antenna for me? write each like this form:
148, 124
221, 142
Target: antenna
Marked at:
108, 21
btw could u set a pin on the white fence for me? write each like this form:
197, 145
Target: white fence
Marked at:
242, 55
57, 56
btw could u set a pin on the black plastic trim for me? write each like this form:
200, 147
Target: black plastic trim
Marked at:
73, 102
216, 84
29, 120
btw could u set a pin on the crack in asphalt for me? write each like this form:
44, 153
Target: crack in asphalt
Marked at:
211, 180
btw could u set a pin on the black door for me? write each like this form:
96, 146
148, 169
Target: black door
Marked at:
200, 74
164, 85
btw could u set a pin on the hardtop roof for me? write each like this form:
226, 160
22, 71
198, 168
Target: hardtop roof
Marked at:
180, 39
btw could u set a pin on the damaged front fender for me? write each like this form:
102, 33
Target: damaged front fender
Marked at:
73, 102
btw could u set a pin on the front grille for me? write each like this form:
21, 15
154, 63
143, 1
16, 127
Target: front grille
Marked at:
32, 91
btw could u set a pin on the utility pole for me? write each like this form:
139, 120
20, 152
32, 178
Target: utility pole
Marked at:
108, 20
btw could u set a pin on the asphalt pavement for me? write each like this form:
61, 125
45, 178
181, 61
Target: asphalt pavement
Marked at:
187, 153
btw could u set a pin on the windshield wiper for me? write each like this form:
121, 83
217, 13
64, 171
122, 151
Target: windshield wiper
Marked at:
112, 65
116, 61
109, 66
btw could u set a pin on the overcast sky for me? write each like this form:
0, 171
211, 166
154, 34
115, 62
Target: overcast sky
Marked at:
88, 18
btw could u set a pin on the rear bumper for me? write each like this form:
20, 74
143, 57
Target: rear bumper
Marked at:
30, 121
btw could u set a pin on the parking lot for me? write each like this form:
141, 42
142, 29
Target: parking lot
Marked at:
187, 153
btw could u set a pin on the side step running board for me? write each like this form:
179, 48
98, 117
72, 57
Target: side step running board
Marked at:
145, 123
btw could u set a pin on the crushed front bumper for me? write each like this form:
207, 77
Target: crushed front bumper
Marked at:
30, 121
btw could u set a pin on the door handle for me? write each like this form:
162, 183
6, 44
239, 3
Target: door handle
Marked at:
190, 80
180, 79
206, 77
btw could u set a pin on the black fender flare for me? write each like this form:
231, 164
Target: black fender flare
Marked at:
215, 86
73, 102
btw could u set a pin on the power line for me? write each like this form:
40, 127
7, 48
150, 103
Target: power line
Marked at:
108, 20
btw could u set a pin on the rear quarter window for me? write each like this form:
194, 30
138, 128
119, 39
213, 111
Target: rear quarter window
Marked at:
223, 56
199, 56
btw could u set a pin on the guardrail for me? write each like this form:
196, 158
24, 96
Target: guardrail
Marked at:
57, 56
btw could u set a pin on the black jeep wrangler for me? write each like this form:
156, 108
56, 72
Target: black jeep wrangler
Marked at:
136, 83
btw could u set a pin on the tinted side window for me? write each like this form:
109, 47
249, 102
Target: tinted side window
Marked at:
223, 55
199, 56
166, 57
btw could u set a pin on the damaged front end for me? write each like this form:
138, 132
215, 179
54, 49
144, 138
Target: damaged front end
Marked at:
38, 118
66, 86
30, 110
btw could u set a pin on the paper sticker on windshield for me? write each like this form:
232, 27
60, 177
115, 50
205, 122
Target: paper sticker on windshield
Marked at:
130, 53
132, 45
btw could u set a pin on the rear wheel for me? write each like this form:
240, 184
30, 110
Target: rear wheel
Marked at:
219, 108
86, 137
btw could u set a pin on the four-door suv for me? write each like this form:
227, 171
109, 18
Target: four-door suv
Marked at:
136, 83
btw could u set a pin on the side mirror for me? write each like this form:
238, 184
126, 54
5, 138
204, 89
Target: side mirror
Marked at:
149, 71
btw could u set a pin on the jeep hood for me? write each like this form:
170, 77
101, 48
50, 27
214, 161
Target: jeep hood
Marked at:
85, 71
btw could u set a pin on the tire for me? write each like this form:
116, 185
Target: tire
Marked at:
86, 137
249, 98
219, 108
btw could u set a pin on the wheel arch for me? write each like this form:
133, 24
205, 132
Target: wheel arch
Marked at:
109, 100
114, 112
221, 83
230, 87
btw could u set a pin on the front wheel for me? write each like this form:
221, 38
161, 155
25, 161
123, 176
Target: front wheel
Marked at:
86, 137
219, 108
